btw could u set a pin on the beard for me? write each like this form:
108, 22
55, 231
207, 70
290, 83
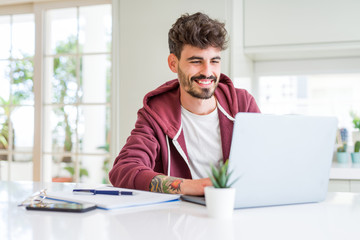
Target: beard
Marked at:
190, 86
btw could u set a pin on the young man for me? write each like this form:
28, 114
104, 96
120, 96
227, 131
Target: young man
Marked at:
186, 124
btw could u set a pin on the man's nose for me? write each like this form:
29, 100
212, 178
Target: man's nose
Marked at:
206, 69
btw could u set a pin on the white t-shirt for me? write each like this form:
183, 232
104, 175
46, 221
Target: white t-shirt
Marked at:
203, 141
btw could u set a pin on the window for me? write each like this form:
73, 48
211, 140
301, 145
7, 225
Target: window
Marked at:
76, 97
73, 85
314, 94
16, 96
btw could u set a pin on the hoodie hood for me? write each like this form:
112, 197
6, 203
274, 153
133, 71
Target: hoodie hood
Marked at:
168, 118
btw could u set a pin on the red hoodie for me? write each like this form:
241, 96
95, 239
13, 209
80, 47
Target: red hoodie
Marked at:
157, 144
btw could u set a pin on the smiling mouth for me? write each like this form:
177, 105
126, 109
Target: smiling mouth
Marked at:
204, 81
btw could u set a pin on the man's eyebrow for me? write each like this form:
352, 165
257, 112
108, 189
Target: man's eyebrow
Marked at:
201, 58
194, 58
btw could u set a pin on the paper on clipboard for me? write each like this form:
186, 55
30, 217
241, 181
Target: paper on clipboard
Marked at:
109, 202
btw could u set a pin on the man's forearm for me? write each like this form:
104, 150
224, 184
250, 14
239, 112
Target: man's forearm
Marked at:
165, 184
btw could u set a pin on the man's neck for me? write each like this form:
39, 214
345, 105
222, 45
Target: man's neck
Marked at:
196, 105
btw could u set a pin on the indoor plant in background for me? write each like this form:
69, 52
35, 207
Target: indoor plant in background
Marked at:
220, 197
22, 89
355, 156
71, 170
356, 122
342, 138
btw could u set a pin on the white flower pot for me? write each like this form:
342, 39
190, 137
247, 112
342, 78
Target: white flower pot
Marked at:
220, 201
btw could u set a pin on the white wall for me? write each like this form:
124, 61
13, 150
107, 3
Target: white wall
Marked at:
240, 65
143, 38
284, 22
283, 30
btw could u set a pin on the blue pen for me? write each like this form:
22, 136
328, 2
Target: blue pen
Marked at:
105, 192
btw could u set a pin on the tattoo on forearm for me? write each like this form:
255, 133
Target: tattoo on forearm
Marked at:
164, 184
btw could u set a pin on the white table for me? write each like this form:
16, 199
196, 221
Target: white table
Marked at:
336, 218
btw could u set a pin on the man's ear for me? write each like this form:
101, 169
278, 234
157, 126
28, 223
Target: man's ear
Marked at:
173, 63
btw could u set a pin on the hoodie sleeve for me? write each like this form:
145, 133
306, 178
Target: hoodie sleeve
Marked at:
133, 167
246, 102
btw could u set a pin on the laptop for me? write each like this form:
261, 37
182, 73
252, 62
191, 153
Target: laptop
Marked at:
280, 159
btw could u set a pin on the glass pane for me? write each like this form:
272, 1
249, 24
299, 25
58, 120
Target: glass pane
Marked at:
23, 130
4, 129
5, 37
3, 170
21, 171
53, 167
96, 168
61, 31
63, 80
95, 28
22, 86
22, 157
62, 172
92, 129
59, 129
95, 79
23, 36
4, 81
3, 157
334, 95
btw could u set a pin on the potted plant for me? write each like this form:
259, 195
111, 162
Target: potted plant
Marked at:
356, 122
355, 156
342, 155
71, 170
220, 197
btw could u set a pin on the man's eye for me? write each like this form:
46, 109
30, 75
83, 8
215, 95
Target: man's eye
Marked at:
195, 62
215, 61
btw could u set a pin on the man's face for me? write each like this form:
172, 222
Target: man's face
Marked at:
199, 71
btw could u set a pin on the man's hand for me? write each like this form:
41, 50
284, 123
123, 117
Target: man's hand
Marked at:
195, 187
165, 184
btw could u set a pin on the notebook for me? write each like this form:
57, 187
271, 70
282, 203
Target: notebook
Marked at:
110, 202
280, 159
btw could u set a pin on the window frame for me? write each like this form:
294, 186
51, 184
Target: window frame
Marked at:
39, 9
11, 11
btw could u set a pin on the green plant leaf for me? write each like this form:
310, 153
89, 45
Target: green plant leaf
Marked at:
220, 176
222, 179
223, 167
3, 141
228, 178
214, 182
84, 172
70, 170
232, 183
357, 146
214, 171
106, 147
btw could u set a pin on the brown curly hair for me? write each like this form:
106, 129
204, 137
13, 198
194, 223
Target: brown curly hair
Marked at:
197, 30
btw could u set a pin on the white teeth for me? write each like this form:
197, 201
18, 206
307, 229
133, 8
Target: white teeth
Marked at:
204, 82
